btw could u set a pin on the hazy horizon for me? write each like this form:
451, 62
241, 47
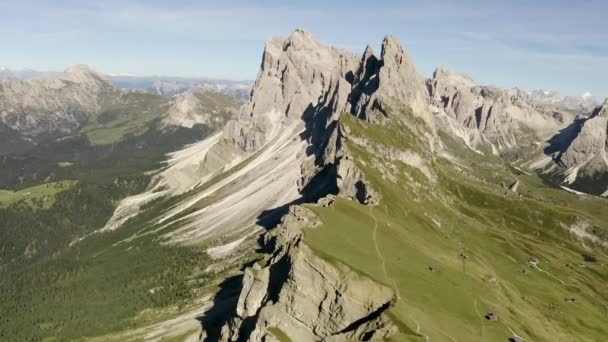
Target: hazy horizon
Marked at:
553, 45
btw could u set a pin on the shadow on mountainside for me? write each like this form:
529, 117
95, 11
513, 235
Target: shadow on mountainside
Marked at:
222, 309
562, 140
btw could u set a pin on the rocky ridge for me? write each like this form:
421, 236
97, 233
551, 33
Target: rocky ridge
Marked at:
486, 116
561, 138
306, 297
168, 86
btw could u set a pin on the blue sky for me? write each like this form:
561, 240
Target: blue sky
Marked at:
540, 44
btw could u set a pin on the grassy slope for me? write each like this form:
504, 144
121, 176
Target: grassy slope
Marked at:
130, 113
418, 225
41, 196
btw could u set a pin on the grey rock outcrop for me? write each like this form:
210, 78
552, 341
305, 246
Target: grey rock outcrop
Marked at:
306, 297
389, 82
304, 86
296, 75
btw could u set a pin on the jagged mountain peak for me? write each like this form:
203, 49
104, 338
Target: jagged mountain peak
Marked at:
395, 83
297, 73
79, 69
393, 53
301, 39
390, 44
396, 58
453, 78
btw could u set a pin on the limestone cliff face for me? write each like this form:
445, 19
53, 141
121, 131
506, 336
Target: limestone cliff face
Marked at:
305, 297
296, 75
489, 116
52, 105
390, 81
303, 80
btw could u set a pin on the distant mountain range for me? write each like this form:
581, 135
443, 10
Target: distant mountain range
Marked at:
175, 85
161, 85
81, 101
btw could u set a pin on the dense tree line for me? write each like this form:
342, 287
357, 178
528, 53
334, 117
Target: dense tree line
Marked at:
52, 288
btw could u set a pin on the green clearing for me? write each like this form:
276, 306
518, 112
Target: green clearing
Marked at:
129, 113
132, 113
279, 334
459, 249
41, 196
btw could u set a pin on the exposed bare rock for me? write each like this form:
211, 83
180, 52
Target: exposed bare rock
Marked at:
580, 153
284, 145
514, 186
590, 142
390, 82
306, 297
352, 183
297, 73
